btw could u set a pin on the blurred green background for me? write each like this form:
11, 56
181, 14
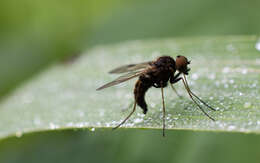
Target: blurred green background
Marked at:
35, 34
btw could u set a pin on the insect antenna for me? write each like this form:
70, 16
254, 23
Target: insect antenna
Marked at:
126, 117
163, 112
190, 94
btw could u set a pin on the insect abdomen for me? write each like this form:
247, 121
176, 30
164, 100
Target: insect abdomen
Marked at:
140, 89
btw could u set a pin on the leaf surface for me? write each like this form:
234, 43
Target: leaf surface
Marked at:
225, 72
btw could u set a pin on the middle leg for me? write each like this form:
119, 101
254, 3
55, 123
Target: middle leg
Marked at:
163, 111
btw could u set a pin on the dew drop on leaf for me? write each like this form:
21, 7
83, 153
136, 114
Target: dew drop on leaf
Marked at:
19, 134
247, 105
195, 76
257, 45
138, 120
226, 70
231, 127
244, 71
53, 126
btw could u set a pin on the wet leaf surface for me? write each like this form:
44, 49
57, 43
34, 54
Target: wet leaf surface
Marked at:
224, 72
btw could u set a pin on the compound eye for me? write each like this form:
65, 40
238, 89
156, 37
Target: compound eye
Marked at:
178, 56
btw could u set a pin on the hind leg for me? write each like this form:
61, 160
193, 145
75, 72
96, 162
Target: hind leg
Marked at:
126, 117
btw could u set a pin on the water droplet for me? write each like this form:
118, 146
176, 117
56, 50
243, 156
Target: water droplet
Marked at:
108, 124
140, 115
226, 85
257, 45
129, 124
175, 118
19, 134
70, 124
138, 120
98, 123
212, 76
244, 71
92, 129
247, 105
152, 104
253, 85
217, 83
80, 125
114, 122
195, 76
53, 126
231, 127
231, 81
250, 123
226, 70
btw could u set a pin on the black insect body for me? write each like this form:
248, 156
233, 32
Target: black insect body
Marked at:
156, 74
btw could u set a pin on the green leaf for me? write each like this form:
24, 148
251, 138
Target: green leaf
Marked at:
224, 72
130, 145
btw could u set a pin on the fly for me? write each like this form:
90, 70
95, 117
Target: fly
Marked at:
158, 74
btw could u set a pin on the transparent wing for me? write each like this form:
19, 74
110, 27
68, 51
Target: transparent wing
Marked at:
122, 79
131, 68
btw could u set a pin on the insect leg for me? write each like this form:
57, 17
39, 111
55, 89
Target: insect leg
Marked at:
187, 88
163, 112
203, 102
175, 91
175, 78
210, 107
126, 117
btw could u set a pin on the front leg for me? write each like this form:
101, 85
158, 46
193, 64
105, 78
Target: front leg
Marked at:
173, 78
176, 80
176, 91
